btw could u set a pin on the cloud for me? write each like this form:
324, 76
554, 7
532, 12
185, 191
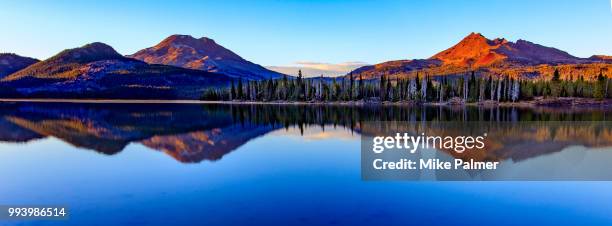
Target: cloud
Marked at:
313, 69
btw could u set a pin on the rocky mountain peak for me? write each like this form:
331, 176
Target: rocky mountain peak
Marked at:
202, 54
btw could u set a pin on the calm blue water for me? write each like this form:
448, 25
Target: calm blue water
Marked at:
281, 177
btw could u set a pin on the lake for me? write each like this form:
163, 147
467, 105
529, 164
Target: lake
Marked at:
222, 164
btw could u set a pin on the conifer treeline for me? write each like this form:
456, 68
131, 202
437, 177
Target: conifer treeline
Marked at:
421, 88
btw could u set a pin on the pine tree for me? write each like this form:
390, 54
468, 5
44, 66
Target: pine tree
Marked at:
248, 90
607, 87
556, 76
431, 92
352, 82
233, 91
492, 89
465, 88
507, 87
481, 89
255, 91
388, 89
361, 88
599, 89
440, 95
412, 90
499, 88
239, 95
424, 88
306, 89
299, 86
269, 90
320, 91
515, 91
285, 86
473, 87
382, 88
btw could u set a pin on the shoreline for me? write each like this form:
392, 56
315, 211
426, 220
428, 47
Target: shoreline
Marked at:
552, 102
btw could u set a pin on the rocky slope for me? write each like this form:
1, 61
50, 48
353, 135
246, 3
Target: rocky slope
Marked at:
602, 58
477, 51
202, 54
96, 70
10, 63
493, 57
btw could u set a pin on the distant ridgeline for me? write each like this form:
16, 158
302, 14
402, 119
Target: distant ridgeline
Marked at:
498, 58
474, 70
182, 67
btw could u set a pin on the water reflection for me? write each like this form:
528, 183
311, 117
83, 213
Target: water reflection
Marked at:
514, 140
193, 133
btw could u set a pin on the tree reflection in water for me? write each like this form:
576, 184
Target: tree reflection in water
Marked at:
193, 133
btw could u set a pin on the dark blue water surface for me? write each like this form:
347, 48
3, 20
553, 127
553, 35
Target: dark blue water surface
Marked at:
216, 165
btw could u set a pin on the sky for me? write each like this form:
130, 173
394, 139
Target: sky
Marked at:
318, 36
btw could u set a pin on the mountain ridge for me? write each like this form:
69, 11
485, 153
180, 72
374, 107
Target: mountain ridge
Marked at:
11, 63
69, 59
202, 54
491, 57
96, 70
475, 51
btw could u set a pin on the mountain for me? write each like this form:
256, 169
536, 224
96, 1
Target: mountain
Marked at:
202, 54
10, 132
105, 128
67, 64
491, 57
188, 133
193, 133
96, 70
477, 51
601, 58
210, 144
10, 63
